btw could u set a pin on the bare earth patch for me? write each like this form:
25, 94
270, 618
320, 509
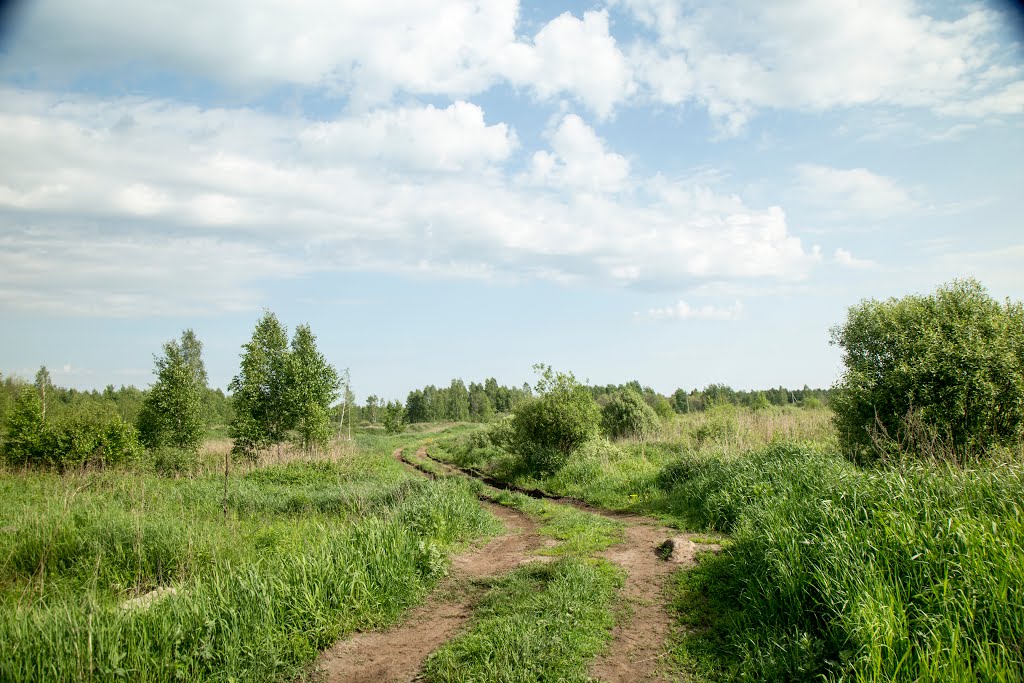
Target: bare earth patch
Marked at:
398, 654
639, 637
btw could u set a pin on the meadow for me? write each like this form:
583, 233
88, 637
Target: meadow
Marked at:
163, 569
309, 549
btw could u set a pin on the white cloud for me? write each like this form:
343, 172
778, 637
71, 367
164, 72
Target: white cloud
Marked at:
579, 160
574, 56
684, 311
848, 260
365, 51
130, 205
426, 138
852, 192
739, 56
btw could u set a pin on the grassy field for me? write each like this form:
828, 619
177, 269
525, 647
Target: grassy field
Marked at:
905, 572
829, 571
308, 551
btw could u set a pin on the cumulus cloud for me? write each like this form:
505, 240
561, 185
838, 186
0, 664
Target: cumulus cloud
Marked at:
684, 311
106, 202
578, 159
737, 57
574, 56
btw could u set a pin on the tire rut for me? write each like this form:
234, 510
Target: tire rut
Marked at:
397, 654
649, 554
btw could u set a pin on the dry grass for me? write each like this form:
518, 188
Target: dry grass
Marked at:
738, 430
214, 451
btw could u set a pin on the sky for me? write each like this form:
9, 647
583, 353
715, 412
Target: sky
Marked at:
670, 191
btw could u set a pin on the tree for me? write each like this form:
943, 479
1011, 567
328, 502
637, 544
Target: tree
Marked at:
313, 385
372, 405
43, 383
457, 404
172, 412
480, 407
941, 374
550, 427
263, 414
394, 417
628, 416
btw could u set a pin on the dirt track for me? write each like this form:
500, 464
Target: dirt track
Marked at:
638, 646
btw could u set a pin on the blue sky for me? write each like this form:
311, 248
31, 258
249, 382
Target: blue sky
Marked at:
676, 192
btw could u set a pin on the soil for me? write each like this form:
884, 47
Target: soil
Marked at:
398, 654
649, 554
639, 639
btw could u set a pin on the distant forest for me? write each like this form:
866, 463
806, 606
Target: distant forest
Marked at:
457, 402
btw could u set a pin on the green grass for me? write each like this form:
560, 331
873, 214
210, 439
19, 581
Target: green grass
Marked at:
308, 552
907, 574
577, 531
542, 622
912, 572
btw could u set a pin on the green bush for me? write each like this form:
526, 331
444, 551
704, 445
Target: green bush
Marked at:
547, 429
170, 461
73, 439
628, 416
720, 426
939, 375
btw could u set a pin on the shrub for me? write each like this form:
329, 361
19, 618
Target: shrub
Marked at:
627, 415
720, 426
71, 440
550, 427
173, 462
943, 372
23, 428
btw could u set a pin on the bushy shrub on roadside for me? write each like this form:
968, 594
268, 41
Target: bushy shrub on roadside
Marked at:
939, 375
628, 416
547, 429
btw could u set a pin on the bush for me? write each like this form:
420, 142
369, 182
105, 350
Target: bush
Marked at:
71, 440
627, 415
720, 426
173, 462
547, 429
942, 374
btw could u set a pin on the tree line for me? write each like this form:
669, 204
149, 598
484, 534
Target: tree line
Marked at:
283, 391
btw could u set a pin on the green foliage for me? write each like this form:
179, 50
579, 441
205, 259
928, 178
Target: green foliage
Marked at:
550, 427
172, 413
71, 439
394, 417
942, 374
720, 426
173, 462
314, 385
263, 413
310, 552
628, 416
841, 573
23, 429
280, 388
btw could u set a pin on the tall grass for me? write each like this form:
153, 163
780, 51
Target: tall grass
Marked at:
910, 573
308, 551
